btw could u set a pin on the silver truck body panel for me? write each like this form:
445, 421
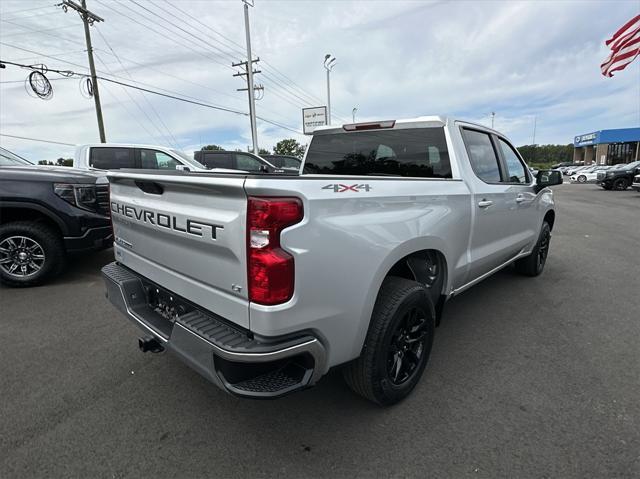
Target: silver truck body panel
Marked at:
194, 265
343, 248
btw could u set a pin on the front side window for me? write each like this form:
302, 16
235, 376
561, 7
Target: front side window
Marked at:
111, 158
157, 160
411, 152
247, 163
482, 155
515, 169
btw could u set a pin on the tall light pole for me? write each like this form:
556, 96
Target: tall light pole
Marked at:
353, 114
493, 115
329, 63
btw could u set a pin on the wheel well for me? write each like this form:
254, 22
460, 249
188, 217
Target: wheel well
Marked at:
550, 218
414, 267
9, 215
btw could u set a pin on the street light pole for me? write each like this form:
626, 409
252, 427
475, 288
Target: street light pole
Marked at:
329, 63
353, 114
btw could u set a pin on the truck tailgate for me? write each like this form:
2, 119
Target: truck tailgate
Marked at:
185, 232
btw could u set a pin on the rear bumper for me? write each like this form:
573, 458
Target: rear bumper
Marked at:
232, 358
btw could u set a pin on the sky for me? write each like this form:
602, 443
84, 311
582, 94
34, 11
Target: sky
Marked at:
534, 62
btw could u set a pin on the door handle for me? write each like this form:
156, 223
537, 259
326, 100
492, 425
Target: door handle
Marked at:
485, 203
520, 199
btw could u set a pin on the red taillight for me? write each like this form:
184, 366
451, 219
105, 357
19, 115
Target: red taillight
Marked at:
270, 268
369, 126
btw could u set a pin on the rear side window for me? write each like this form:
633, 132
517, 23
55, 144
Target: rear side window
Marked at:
482, 155
153, 159
411, 152
515, 168
112, 158
218, 160
247, 163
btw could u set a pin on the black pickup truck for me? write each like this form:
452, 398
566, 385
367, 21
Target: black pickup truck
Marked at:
47, 213
619, 178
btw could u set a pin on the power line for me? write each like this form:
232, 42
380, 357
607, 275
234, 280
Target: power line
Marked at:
175, 142
163, 34
37, 139
28, 9
31, 30
182, 97
137, 105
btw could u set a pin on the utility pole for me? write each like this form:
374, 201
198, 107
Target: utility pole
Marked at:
89, 18
535, 118
249, 72
329, 63
493, 115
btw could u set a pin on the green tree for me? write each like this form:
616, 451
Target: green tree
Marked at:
289, 146
58, 162
212, 147
546, 155
262, 151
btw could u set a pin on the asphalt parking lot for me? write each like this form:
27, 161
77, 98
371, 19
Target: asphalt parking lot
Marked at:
528, 378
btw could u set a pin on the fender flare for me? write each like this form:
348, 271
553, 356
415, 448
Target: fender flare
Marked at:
26, 205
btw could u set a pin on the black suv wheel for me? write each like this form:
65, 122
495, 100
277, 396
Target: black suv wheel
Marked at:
620, 184
29, 253
398, 343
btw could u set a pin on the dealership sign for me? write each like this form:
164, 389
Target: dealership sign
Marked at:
313, 118
588, 139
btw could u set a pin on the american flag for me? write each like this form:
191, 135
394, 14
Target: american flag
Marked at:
625, 47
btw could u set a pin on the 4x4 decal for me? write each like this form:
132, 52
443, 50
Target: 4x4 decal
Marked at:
340, 188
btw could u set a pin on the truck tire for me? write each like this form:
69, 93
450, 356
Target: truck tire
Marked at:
30, 253
533, 264
398, 343
620, 184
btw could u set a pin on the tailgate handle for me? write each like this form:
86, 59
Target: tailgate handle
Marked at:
150, 187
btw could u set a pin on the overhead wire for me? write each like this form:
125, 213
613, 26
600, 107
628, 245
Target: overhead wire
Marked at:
182, 97
135, 102
175, 142
37, 139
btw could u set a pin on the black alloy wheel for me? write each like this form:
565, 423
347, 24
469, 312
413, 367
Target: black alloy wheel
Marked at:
407, 346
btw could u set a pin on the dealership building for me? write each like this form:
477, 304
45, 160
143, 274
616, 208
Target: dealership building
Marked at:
607, 147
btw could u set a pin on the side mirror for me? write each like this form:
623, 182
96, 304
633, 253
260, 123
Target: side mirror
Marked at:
546, 178
182, 168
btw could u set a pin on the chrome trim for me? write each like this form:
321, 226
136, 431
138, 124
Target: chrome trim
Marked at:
464, 287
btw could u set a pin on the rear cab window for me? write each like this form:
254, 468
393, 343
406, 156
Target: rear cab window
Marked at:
111, 158
482, 155
410, 152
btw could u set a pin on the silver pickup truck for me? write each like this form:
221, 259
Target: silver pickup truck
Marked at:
262, 283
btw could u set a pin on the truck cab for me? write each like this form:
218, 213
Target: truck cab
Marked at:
116, 156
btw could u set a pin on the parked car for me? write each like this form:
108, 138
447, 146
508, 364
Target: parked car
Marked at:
115, 156
619, 178
262, 283
573, 169
587, 174
47, 213
636, 183
563, 165
235, 160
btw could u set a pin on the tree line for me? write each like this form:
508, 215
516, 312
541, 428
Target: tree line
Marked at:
546, 154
